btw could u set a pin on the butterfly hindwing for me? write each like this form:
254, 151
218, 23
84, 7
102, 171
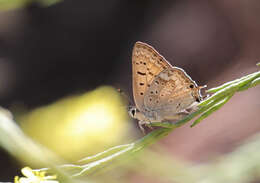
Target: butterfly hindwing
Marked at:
171, 91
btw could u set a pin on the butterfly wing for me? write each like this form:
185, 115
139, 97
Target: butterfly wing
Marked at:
147, 63
171, 92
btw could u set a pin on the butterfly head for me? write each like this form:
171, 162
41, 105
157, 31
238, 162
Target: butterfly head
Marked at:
136, 114
132, 111
197, 93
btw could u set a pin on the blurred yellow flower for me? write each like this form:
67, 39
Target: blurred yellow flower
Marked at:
78, 126
35, 177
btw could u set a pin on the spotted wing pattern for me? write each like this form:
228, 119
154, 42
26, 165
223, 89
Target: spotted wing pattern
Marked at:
171, 91
147, 64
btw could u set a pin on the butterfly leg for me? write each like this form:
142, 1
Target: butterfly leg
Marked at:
140, 124
176, 117
149, 125
193, 107
183, 112
146, 123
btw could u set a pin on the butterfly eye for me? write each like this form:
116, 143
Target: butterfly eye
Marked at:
191, 86
132, 112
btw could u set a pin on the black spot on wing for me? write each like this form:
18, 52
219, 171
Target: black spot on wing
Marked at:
150, 73
141, 73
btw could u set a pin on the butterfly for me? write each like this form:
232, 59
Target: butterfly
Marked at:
161, 92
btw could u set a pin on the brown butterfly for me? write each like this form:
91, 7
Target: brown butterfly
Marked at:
161, 92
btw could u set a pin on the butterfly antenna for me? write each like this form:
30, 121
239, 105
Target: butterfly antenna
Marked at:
201, 87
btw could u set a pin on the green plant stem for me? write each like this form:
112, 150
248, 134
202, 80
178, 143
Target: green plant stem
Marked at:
103, 154
240, 81
128, 150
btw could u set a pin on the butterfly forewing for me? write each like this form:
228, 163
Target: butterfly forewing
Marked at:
147, 64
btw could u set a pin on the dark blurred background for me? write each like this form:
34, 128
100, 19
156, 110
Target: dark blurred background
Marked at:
47, 53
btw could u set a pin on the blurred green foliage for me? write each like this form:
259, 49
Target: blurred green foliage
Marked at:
13, 4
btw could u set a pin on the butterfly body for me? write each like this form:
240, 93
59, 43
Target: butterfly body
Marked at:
161, 92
